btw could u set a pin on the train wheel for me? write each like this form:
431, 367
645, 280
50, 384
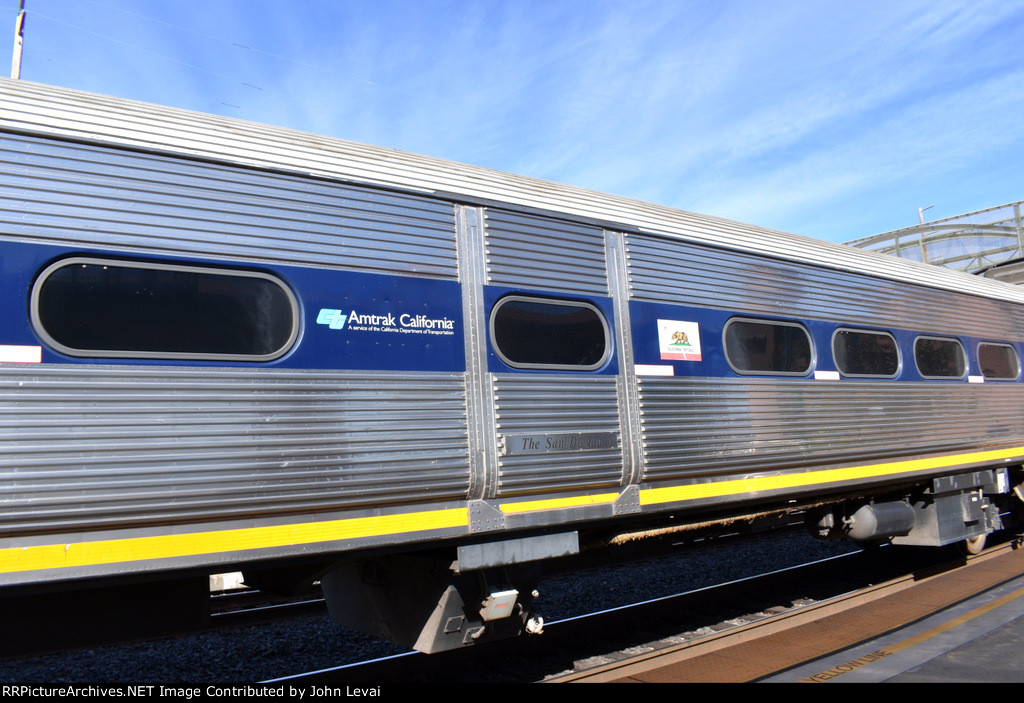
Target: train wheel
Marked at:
973, 545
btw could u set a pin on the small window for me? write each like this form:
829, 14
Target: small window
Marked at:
762, 346
998, 361
865, 353
131, 309
543, 333
939, 358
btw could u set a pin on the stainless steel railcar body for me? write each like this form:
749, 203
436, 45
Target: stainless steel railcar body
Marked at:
388, 416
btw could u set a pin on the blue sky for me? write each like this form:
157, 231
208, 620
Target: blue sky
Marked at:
831, 119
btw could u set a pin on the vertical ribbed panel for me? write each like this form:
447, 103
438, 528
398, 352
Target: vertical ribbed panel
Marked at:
87, 447
664, 270
715, 427
547, 254
550, 404
74, 193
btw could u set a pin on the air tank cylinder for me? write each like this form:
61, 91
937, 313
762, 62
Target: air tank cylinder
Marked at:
876, 520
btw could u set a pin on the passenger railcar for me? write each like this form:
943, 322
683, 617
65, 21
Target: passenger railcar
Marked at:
226, 346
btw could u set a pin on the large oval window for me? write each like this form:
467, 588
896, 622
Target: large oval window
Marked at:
133, 309
542, 333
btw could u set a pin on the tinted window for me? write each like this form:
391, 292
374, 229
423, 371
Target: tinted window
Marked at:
541, 333
91, 307
865, 353
758, 346
998, 361
940, 358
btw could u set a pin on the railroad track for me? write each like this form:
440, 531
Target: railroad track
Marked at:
765, 644
243, 608
625, 642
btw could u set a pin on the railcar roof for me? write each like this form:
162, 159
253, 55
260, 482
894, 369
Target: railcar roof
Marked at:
60, 112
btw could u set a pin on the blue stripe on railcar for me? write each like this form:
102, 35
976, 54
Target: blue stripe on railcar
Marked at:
349, 320
366, 321
649, 350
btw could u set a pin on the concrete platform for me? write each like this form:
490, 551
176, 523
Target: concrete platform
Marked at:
980, 640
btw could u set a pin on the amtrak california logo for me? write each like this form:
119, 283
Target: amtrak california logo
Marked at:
388, 322
335, 319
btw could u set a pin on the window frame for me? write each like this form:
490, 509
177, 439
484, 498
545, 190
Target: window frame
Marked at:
1016, 358
811, 362
549, 300
880, 333
963, 356
49, 340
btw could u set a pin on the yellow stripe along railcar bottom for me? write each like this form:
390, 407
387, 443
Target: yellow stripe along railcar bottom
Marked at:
671, 494
52, 556
79, 554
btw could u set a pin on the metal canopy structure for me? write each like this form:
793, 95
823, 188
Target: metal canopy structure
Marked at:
971, 242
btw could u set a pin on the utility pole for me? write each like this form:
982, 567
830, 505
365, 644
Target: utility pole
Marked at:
19, 42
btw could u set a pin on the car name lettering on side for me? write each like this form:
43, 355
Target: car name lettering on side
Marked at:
565, 442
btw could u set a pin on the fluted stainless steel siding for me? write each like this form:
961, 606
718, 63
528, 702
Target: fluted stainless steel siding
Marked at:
69, 114
694, 427
713, 427
544, 253
65, 192
666, 270
542, 404
562, 257
85, 447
